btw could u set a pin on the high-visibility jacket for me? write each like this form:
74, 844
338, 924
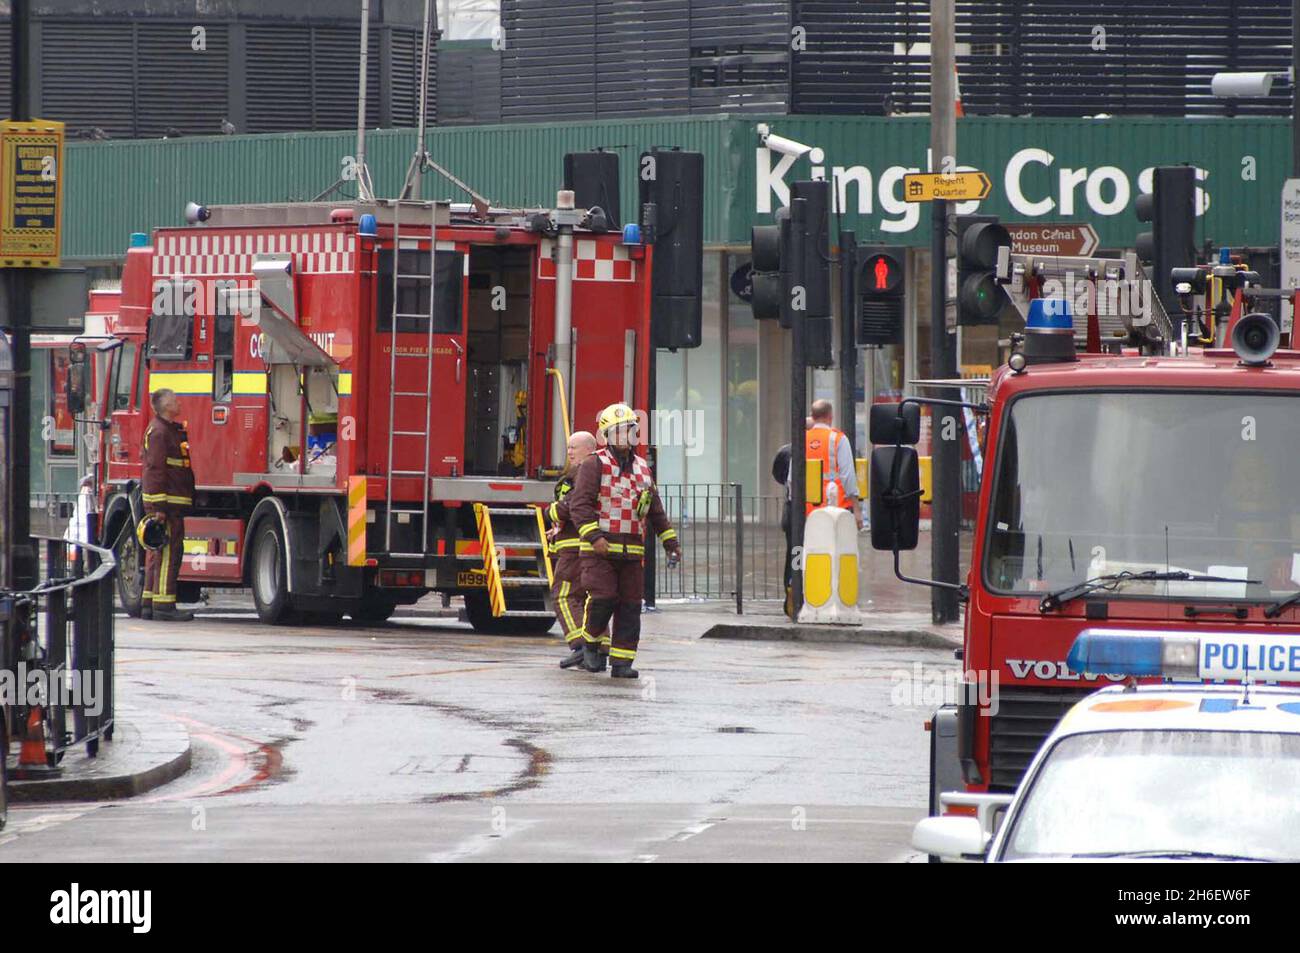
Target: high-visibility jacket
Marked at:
566, 540
614, 498
823, 443
167, 480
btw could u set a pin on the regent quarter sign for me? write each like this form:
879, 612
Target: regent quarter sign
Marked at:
31, 204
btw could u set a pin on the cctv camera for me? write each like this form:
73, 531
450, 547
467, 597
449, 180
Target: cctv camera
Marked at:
1241, 85
195, 213
781, 144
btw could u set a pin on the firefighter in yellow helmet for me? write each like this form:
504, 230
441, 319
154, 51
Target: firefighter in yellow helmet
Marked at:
612, 501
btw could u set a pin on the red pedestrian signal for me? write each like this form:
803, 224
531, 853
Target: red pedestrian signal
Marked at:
881, 280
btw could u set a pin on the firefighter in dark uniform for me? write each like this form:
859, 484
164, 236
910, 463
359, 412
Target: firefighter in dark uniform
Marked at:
569, 595
612, 500
168, 489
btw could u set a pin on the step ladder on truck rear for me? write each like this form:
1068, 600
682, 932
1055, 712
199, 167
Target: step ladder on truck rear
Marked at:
516, 556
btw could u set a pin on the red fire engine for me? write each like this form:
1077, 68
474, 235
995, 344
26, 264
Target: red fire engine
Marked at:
375, 393
1120, 490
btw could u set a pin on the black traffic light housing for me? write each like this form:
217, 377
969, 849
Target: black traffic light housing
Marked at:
673, 182
1170, 207
981, 297
810, 279
786, 289
769, 276
882, 280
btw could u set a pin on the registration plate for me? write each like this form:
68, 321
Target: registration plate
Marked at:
471, 579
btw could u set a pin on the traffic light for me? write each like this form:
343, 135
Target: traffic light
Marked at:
981, 298
810, 279
767, 275
882, 277
673, 181
785, 289
1170, 207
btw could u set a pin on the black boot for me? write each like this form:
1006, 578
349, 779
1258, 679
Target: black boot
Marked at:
623, 669
592, 659
146, 611
574, 658
169, 613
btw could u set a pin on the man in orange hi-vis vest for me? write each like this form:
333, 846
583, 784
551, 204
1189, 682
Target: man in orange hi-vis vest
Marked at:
831, 448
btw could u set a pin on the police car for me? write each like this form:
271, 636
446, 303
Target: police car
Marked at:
1195, 770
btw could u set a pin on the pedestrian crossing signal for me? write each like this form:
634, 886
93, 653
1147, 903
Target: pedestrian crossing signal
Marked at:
881, 283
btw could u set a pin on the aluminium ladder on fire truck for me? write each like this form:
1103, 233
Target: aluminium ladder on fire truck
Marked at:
415, 318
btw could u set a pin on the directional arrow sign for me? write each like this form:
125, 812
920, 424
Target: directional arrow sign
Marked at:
1056, 239
954, 186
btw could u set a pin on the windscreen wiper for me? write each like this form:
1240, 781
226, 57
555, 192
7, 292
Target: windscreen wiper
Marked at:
1275, 610
1112, 581
1176, 854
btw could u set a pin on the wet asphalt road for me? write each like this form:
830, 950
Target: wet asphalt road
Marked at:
422, 741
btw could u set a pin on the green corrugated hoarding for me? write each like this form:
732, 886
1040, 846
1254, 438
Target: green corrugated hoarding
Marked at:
1043, 170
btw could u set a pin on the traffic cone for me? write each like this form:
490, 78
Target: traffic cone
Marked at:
32, 753
32, 760
959, 111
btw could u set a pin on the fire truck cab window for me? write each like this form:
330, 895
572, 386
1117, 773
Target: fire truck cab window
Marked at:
1093, 484
171, 326
223, 356
413, 292
125, 377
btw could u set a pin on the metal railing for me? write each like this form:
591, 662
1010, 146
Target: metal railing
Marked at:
63, 629
733, 545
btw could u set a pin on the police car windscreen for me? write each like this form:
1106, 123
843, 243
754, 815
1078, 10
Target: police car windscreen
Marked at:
1089, 484
1235, 793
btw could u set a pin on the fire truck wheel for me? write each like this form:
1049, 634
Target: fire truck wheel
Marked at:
267, 575
130, 571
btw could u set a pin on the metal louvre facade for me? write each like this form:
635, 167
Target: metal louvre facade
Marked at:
1041, 57
595, 59
128, 76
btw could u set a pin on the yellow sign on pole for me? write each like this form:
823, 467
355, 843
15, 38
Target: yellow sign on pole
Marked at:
31, 203
952, 186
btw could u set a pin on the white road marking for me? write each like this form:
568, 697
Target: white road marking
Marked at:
19, 824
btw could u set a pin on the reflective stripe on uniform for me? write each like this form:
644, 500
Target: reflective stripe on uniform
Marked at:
586, 529
622, 654
571, 630
177, 462
667, 535
631, 549
155, 497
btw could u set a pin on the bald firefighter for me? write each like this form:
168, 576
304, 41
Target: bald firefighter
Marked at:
612, 501
570, 596
167, 484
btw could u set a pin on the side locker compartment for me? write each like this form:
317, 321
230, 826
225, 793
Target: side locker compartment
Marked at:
213, 550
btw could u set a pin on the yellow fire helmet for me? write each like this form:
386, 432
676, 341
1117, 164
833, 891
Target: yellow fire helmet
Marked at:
151, 532
613, 415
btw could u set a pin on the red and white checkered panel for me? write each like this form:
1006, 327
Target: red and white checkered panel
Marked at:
619, 492
592, 261
227, 253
